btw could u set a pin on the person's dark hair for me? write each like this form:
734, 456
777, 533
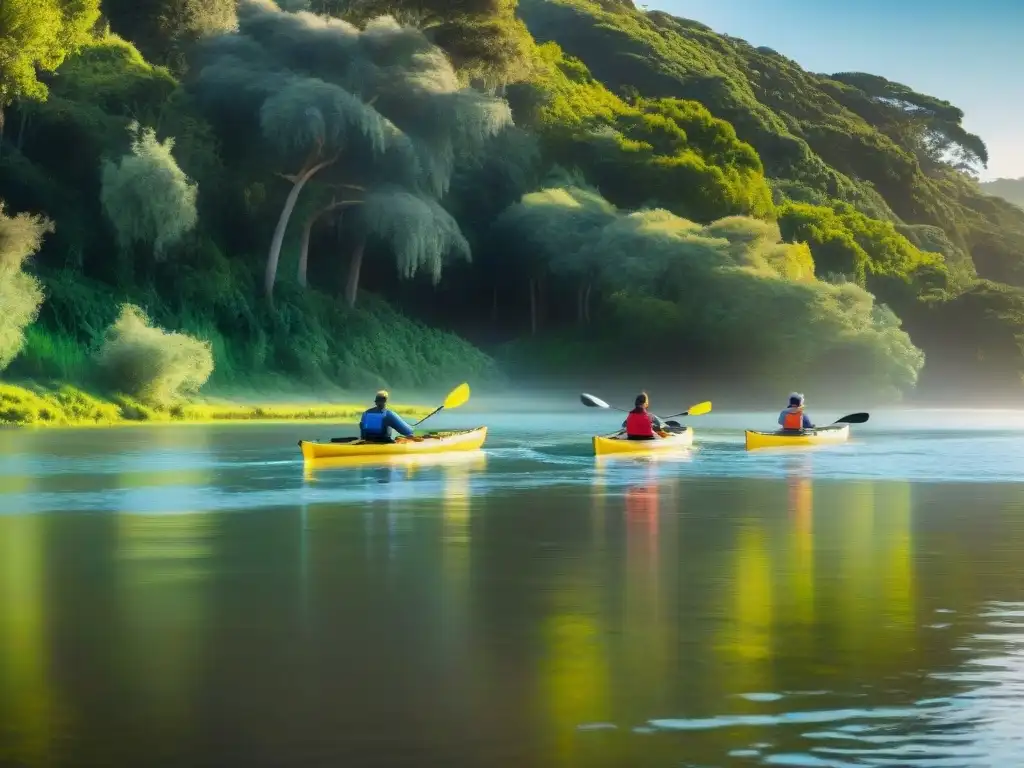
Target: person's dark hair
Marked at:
641, 400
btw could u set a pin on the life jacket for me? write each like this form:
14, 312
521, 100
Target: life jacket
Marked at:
793, 418
639, 424
371, 425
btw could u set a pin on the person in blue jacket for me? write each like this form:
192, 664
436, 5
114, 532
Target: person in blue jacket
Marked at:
793, 418
376, 423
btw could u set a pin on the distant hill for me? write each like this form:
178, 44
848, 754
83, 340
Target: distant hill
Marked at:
1008, 189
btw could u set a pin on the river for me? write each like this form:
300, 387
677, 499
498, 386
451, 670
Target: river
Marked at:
194, 595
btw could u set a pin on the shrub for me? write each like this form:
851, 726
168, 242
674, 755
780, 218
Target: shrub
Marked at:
20, 293
156, 366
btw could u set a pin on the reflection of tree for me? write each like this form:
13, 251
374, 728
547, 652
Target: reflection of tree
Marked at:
27, 706
163, 587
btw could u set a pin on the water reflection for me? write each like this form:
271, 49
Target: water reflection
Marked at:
650, 618
28, 702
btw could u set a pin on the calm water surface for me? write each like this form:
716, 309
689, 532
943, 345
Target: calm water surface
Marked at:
196, 596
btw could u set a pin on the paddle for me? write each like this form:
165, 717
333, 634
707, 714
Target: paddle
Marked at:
853, 418
695, 410
458, 396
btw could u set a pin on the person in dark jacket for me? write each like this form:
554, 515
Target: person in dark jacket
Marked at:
793, 418
376, 423
640, 424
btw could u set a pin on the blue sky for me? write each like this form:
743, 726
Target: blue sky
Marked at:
970, 54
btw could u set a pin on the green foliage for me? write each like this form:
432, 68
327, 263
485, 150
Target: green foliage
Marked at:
146, 196
163, 29
21, 236
726, 292
156, 366
869, 252
37, 35
661, 151
890, 152
67, 405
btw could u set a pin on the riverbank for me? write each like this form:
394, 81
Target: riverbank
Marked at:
36, 406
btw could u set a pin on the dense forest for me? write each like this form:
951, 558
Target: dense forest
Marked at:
406, 192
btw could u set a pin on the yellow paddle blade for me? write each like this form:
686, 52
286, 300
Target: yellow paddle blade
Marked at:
700, 409
458, 396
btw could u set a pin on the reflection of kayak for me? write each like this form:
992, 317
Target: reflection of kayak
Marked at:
604, 446
407, 463
435, 442
838, 433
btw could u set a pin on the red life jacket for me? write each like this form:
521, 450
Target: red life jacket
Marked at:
793, 419
639, 424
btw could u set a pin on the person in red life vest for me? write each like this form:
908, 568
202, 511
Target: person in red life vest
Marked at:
793, 418
642, 425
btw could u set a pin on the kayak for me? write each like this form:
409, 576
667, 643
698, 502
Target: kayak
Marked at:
435, 442
614, 444
838, 433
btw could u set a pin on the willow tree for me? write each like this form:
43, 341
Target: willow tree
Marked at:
20, 294
147, 198
378, 109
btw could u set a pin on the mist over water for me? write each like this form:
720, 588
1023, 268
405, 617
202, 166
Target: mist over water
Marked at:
197, 595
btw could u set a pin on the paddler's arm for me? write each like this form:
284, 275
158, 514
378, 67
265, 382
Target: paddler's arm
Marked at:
397, 423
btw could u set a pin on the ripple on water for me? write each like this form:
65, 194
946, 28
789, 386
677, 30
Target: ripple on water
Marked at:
980, 724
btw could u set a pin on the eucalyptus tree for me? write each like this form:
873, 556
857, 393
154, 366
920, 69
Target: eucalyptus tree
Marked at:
377, 110
21, 236
147, 198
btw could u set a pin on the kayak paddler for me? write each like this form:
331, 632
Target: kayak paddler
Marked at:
640, 424
793, 418
376, 423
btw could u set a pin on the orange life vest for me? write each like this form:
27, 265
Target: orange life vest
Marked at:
793, 419
639, 424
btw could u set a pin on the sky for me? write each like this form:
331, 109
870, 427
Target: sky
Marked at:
970, 54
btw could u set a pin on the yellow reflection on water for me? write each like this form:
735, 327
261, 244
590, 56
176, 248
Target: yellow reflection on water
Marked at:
456, 534
575, 679
27, 700
163, 577
801, 570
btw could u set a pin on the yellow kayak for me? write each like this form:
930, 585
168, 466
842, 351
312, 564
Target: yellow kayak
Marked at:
838, 433
435, 442
605, 446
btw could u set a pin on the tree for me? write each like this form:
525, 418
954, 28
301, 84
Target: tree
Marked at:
163, 29
20, 293
930, 127
379, 106
146, 196
38, 35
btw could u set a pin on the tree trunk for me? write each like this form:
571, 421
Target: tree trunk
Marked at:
356, 264
308, 231
581, 313
304, 248
21, 128
494, 305
586, 304
282, 224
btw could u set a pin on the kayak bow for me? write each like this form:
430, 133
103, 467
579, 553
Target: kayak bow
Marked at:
836, 433
435, 442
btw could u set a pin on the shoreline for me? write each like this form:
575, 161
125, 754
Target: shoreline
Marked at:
28, 406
